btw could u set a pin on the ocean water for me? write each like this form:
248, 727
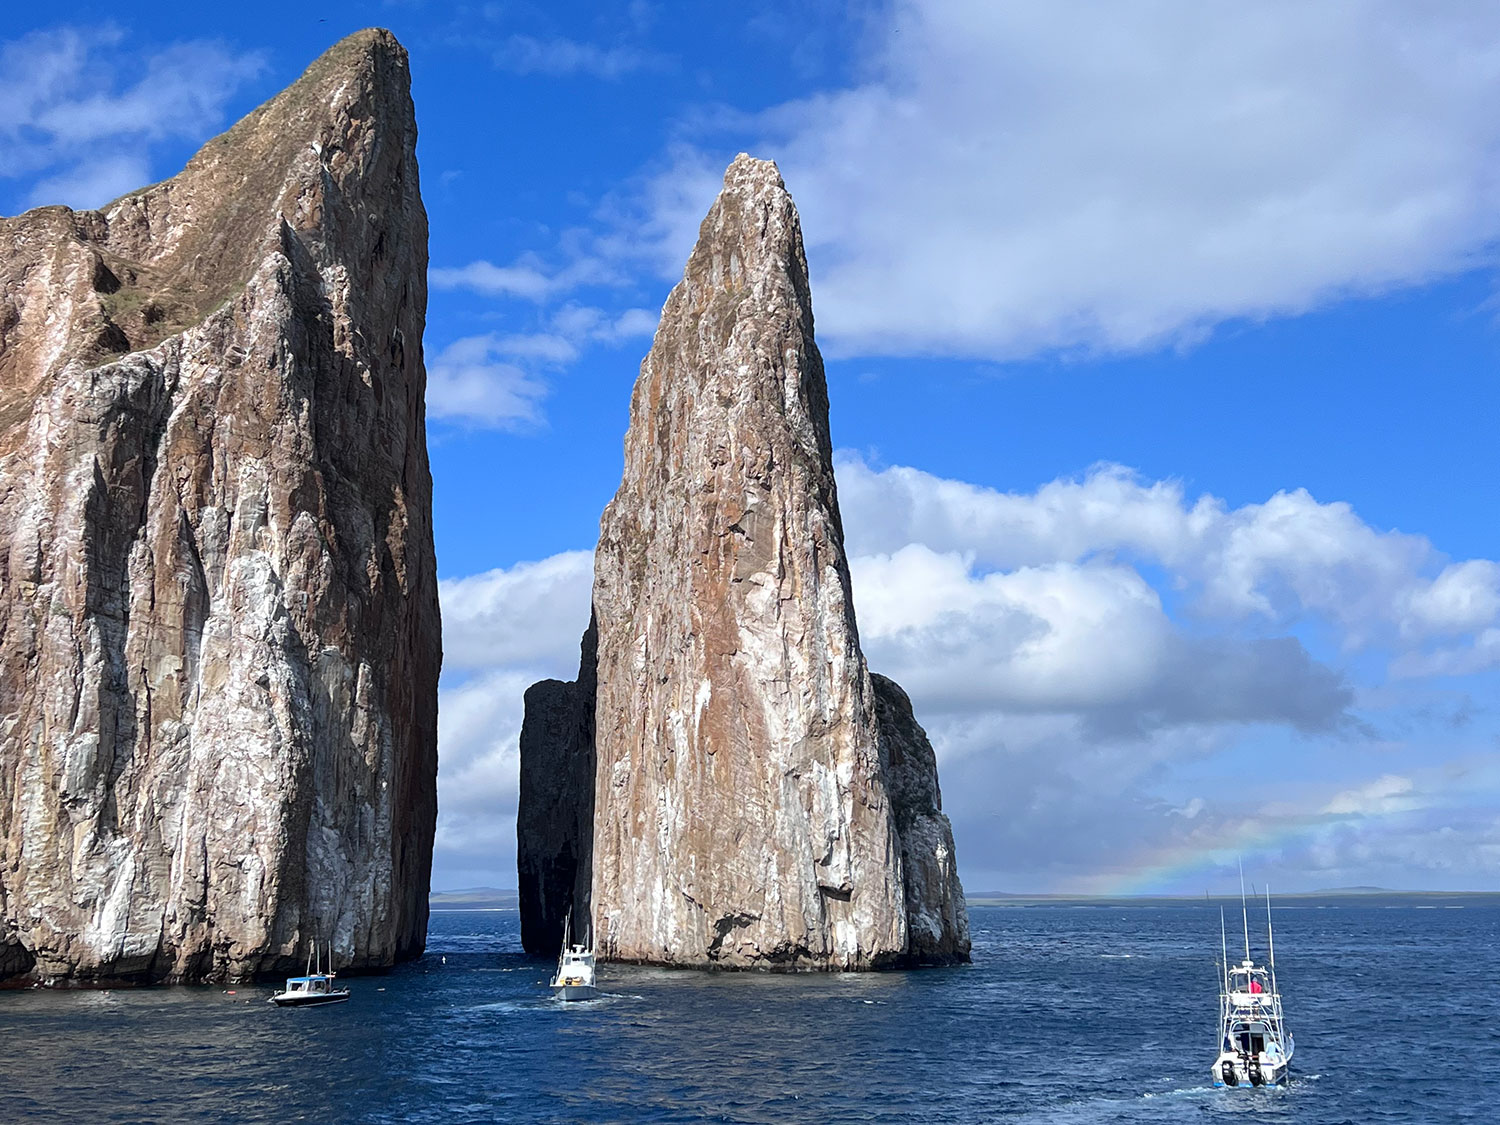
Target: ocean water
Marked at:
1068, 1014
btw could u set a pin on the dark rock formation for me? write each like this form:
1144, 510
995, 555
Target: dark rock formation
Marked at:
937, 921
743, 809
555, 816
219, 636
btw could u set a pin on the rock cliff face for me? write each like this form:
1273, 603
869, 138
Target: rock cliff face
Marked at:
748, 805
219, 636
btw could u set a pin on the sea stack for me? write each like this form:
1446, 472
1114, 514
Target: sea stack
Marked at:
219, 635
745, 795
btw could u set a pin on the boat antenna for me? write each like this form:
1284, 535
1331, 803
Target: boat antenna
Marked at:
1224, 949
1270, 939
1244, 910
308, 970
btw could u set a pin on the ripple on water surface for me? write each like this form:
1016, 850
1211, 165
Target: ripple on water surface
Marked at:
1069, 1014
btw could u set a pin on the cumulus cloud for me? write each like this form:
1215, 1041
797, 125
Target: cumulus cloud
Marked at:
502, 631
530, 614
1091, 640
1387, 793
1288, 559
73, 111
1012, 179
471, 381
1089, 725
479, 727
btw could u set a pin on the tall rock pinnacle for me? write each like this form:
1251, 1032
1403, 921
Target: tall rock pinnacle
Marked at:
219, 637
743, 813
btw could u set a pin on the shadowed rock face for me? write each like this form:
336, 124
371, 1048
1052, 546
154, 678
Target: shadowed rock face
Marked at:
937, 921
555, 814
742, 812
219, 635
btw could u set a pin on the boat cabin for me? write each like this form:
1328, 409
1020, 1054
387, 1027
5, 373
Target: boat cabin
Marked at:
576, 967
318, 983
1247, 1038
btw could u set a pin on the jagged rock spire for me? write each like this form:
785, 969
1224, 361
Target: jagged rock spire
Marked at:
741, 813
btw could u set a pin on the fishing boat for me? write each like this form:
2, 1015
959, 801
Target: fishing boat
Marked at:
316, 987
1255, 1048
575, 969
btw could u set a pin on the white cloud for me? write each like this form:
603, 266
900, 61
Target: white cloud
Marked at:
1085, 722
1011, 179
468, 382
586, 323
1281, 561
527, 278
1452, 660
1387, 793
1090, 640
1068, 704
479, 727
502, 631
1464, 597
500, 379
83, 114
531, 614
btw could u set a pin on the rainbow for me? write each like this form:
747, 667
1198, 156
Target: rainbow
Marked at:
1195, 866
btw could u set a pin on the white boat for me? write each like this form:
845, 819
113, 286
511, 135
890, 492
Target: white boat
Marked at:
574, 979
1255, 1048
316, 987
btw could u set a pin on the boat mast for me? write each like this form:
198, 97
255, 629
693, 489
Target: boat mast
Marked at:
1244, 910
1224, 949
1271, 940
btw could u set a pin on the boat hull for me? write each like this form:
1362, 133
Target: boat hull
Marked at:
303, 1000
1271, 1074
574, 991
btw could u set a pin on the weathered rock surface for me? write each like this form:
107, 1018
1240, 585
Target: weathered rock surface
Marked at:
743, 814
219, 636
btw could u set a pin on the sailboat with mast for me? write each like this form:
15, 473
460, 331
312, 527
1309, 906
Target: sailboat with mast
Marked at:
1255, 1048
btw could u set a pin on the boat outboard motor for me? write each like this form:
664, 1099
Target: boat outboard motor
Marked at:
1227, 1070
1252, 1066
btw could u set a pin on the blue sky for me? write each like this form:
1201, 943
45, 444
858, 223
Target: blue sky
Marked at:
1161, 343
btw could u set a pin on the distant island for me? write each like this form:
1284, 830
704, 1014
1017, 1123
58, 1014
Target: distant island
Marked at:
472, 898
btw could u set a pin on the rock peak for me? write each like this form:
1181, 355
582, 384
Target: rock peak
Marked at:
219, 634
724, 736
746, 172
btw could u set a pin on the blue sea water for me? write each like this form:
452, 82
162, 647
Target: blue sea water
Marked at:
1068, 1014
